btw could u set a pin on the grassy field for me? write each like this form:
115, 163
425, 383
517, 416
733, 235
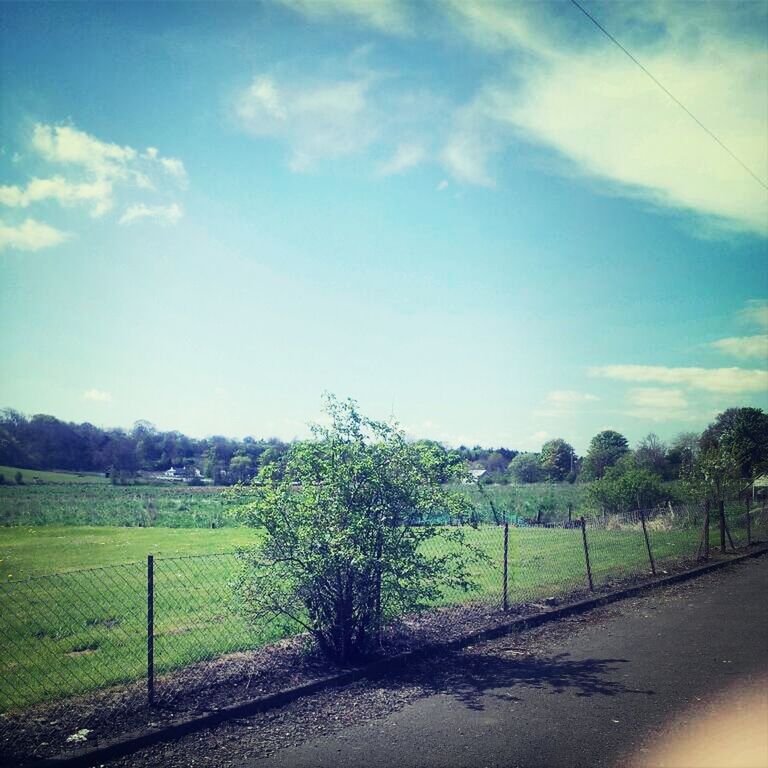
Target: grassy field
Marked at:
35, 476
114, 505
209, 507
35, 551
85, 629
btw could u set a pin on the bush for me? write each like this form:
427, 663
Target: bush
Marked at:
347, 542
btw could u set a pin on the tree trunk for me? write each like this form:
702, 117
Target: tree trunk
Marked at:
721, 511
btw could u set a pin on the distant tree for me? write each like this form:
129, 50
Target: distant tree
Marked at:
623, 489
605, 449
651, 454
525, 468
683, 451
557, 459
745, 430
19, 478
240, 468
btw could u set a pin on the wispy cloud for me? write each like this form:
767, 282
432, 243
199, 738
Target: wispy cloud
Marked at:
658, 404
95, 169
330, 118
97, 396
744, 346
405, 157
569, 397
722, 380
168, 214
386, 15
755, 313
96, 193
30, 235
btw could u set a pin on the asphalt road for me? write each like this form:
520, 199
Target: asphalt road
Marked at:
592, 699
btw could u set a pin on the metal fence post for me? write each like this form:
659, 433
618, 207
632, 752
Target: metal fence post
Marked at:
586, 553
506, 566
647, 542
150, 630
749, 524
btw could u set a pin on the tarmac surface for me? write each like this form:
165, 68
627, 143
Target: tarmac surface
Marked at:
611, 694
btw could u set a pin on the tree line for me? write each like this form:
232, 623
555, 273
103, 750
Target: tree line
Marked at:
45, 442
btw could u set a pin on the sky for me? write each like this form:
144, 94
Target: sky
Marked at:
481, 218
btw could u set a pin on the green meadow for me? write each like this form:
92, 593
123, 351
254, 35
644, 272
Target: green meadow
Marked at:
86, 629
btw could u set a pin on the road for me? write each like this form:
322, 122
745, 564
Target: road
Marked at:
602, 696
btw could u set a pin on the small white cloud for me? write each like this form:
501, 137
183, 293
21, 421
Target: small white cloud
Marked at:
569, 397
97, 396
406, 156
175, 168
168, 214
659, 404
385, 15
97, 193
316, 120
744, 346
755, 313
442, 185
30, 235
724, 380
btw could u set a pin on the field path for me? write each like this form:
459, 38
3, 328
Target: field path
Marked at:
593, 699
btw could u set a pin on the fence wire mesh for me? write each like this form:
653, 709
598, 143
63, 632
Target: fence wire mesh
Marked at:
78, 641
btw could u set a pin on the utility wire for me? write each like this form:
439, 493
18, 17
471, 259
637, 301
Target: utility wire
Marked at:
671, 95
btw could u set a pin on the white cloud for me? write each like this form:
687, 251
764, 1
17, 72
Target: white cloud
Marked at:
386, 15
168, 214
744, 346
406, 156
97, 168
97, 395
67, 145
723, 380
608, 121
755, 313
659, 404
324, 119
97, 193
442, 185
30, 235
569, 397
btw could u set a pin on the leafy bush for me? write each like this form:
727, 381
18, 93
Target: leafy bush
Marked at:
347, 542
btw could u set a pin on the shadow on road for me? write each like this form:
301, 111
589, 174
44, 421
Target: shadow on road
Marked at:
468, 677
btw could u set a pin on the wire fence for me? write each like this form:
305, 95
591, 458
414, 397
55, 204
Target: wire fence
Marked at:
158, 631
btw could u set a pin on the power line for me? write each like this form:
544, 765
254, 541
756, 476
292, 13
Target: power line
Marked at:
670, 94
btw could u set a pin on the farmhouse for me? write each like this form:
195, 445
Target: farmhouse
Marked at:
180, 474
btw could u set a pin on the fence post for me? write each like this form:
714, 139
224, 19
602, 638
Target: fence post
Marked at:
647, 542
749, 524
570, 512
586, 553
150, 630
506, 566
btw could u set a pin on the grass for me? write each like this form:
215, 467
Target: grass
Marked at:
35, 551
85, 629
36, 476
114, 505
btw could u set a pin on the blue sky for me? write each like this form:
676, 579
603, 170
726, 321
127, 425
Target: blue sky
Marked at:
480, 217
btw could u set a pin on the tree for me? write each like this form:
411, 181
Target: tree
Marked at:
605, 449
623, 489
746, 432
525, 468
557, 459
651, 454
347, 540
683, 451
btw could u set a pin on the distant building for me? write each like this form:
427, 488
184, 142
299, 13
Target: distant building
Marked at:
180, 474
475, 475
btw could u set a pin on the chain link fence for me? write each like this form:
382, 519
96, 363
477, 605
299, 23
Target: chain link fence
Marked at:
108, 641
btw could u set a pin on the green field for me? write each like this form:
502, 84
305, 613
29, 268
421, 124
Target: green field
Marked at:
210, 507
37, 476
85, 629
115, 505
